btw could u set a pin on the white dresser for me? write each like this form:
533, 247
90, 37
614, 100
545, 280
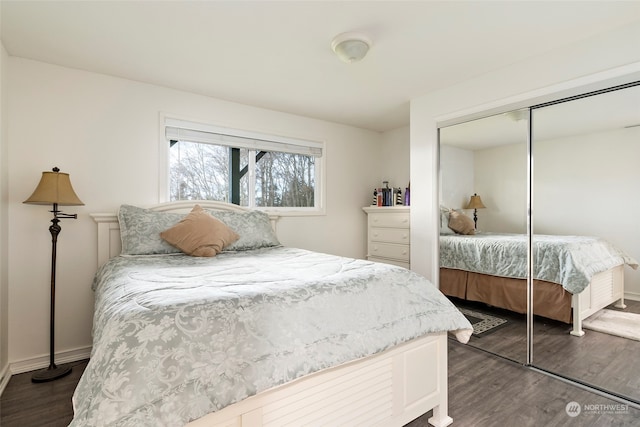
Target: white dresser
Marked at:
388, 234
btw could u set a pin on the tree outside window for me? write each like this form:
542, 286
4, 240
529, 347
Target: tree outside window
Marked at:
206, 171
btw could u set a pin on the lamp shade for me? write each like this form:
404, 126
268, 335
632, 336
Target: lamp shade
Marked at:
54, 187
475, 202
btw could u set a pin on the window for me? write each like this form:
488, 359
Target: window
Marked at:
207, 162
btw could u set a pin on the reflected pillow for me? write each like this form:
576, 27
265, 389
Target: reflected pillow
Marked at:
444, 220
200, 234
460, 223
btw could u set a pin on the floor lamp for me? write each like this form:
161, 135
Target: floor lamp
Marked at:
54, 189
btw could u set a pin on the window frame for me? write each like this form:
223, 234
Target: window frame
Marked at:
270, 138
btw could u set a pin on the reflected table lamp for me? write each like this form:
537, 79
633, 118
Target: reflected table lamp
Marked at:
475, 203
54, 189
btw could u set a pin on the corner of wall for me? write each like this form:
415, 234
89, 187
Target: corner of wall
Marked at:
4, 286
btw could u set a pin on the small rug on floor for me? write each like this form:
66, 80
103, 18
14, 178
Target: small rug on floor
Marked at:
613, 322
482, 323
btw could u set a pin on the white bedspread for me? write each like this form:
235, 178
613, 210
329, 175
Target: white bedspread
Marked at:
177, 337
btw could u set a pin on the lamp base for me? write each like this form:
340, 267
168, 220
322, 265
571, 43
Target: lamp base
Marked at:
51, 373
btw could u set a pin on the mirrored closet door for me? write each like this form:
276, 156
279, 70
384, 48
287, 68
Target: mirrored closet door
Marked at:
483, 196
585, 201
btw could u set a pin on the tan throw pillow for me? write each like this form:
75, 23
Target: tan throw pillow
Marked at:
200, 234
460, 223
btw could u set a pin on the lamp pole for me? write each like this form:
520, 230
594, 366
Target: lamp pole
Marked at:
475, 219
53, 371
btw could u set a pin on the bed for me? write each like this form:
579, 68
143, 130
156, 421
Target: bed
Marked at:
574, 276
259, 334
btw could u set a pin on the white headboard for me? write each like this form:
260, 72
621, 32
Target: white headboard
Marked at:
109, 243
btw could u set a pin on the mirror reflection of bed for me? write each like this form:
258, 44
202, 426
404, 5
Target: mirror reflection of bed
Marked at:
582, 185
467, 166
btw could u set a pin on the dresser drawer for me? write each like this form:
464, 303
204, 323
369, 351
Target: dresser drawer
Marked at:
390, 261
389, 250
389, 235
389, 219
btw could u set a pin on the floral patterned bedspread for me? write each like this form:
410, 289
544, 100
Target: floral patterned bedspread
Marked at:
177, 337
570, 261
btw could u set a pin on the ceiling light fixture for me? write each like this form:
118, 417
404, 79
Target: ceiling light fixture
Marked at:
351, 47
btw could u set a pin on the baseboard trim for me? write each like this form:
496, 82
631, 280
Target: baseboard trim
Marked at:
5, 376
632, 296
42, 362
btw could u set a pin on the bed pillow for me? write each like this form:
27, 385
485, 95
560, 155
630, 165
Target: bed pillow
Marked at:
253, 227
140, 230
444, 220
200, 234
460, 223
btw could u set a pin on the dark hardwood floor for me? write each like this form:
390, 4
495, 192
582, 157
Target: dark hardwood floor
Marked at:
26, 404
488, 391
598, 359
484, 391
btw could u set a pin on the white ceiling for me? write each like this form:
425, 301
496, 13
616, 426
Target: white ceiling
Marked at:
277, 55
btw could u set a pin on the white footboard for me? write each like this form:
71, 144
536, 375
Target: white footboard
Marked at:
389, 389
605, 288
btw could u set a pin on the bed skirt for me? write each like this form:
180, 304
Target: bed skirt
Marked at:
550, 300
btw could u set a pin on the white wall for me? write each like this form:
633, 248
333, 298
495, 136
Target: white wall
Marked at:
393, 160
457, 171
4, 282
498, 175
501, 180
604, 60
104, 131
